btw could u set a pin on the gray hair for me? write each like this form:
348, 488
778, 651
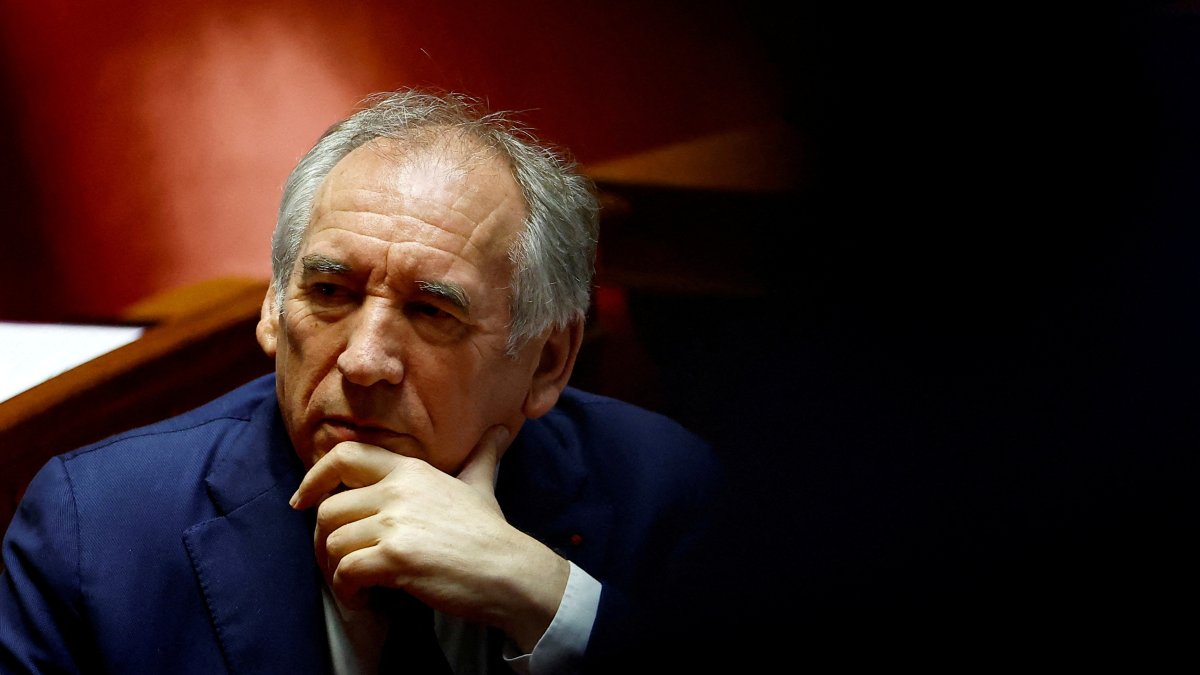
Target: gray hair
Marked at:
553, 257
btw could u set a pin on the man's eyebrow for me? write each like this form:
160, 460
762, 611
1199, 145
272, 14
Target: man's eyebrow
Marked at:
448, 291
319, 264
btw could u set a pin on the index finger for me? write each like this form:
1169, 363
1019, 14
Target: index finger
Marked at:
480, 468
349, 463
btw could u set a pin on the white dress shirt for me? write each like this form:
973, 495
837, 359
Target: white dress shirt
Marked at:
356, 636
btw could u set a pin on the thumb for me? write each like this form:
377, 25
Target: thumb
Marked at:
479, 471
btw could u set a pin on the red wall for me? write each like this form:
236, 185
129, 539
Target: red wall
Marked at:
144, 144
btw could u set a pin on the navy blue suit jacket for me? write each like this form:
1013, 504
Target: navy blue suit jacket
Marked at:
172, 548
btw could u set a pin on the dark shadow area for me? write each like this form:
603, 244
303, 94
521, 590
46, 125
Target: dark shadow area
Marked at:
23, 240
960, 417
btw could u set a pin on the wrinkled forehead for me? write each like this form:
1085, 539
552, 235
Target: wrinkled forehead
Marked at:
448, 197
435, 164
427, 163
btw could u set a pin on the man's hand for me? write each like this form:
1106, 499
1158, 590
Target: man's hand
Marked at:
403, 524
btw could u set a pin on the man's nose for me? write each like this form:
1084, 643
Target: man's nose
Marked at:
372, 352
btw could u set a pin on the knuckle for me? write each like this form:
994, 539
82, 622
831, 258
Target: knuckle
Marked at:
335, 543
393, 489
351, 566
324, 514
403, 556
337, 458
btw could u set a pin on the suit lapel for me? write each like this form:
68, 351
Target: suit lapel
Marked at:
543, 490
255, 563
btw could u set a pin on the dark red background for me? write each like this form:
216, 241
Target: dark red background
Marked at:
145, 143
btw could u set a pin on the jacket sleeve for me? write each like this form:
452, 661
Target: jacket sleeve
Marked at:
40, 625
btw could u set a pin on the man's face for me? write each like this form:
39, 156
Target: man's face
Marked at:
396, 316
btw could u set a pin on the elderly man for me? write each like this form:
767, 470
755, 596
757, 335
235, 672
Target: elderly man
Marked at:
416, 486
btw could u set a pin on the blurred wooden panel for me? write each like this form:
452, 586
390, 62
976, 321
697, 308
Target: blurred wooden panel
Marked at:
768, 157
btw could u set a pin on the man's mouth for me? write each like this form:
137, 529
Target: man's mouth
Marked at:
339, 431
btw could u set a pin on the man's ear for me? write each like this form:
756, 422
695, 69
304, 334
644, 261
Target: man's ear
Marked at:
555, 364
268, 324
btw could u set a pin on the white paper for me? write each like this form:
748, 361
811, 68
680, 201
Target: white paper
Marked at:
31, 353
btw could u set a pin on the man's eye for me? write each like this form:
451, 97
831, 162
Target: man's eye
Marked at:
326, 293
434, 323
327, 290
431, 311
